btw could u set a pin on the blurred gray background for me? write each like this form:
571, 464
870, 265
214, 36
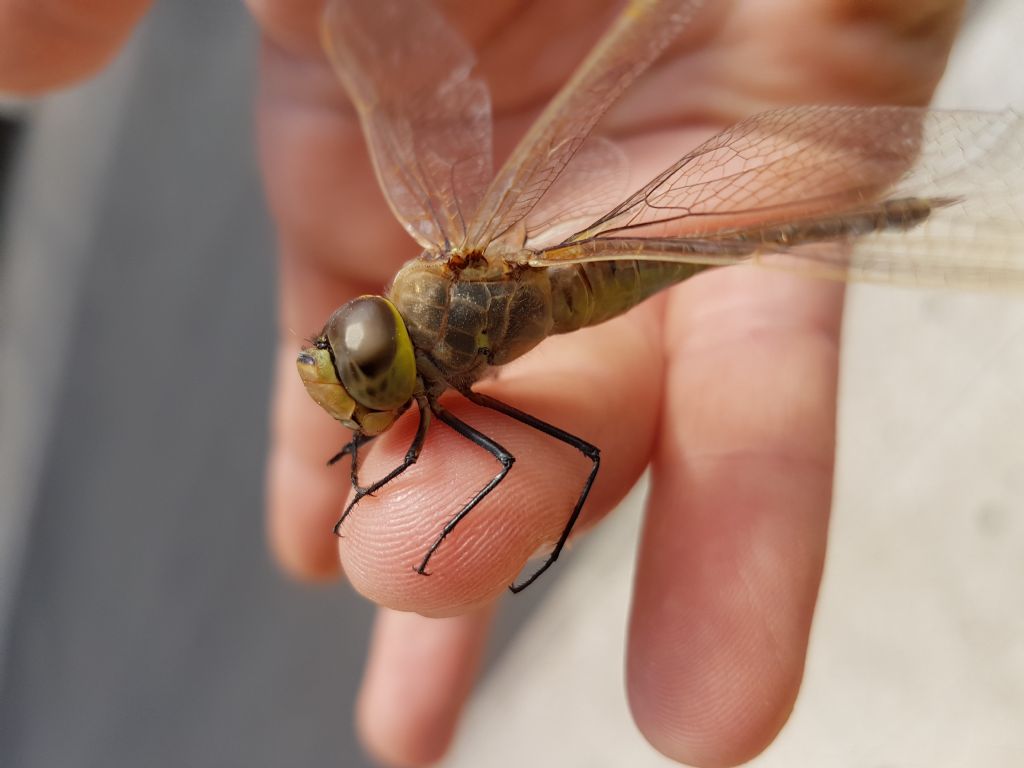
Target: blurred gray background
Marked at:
141, 621
144, 624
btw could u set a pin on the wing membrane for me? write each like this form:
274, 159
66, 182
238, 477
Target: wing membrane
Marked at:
426, 119
883, 195
594, 181
638, 36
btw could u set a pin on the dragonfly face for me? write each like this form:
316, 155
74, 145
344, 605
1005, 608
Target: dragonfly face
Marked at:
361, 368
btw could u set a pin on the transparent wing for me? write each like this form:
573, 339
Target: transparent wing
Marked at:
592, 183
427, 121
638, 36
881, 194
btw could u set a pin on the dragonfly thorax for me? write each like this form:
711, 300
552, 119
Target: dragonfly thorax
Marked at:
467, 320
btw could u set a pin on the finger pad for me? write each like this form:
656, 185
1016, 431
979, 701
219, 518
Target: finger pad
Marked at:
387, 535
733, 545
724, 602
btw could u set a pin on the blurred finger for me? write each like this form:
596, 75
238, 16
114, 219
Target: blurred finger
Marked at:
304, 495
734, 540
418, 676
309, 140
46, 45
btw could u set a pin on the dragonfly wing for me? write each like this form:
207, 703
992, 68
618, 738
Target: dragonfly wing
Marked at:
639, 35
803, 161
884, 195
427, 120
593, 182
949, 249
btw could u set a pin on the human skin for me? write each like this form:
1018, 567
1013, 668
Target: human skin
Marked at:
724, 385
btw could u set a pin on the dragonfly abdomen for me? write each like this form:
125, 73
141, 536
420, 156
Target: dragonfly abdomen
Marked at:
589, 293
900, 213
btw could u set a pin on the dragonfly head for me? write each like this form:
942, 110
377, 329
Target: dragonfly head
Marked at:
361, 369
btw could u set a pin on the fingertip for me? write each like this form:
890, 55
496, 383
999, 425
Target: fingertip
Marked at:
731, 559
403, 746
719, 738
403, 736
418, 677
388, 535
567, 384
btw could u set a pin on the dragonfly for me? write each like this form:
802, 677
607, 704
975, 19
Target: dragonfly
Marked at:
548, 244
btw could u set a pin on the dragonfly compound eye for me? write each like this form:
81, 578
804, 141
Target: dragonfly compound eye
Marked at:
373, 353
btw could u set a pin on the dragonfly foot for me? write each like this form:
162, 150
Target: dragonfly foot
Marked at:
345, 514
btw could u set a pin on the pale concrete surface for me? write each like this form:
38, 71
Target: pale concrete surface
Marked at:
917, 652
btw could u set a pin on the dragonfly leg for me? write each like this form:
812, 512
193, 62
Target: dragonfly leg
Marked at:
592, 452
411, 456
476, 437
358, 441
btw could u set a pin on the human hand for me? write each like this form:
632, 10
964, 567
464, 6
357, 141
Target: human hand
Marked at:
725, 385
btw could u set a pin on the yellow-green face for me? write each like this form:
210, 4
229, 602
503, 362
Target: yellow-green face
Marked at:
362, 368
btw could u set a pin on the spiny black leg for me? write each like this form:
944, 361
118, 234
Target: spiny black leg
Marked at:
496, 450
358, 441
592, 452
353, 470
411, 456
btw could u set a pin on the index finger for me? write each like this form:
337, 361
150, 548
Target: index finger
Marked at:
310, 142
587, 385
